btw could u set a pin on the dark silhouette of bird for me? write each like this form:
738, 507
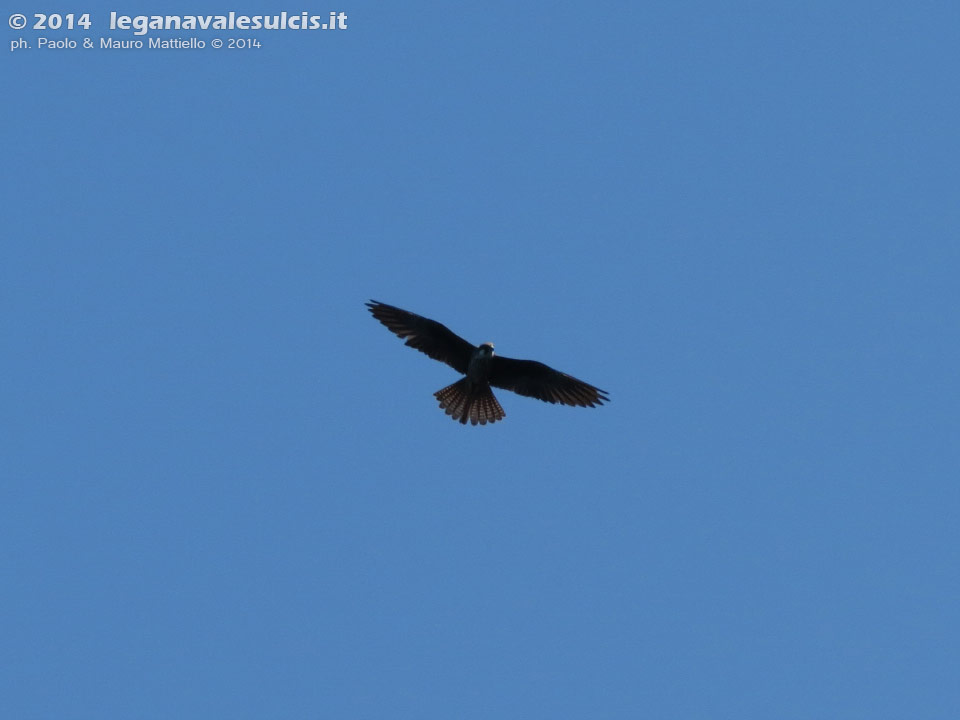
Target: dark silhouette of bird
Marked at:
471, 398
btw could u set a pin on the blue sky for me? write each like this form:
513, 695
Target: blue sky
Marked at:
228, 492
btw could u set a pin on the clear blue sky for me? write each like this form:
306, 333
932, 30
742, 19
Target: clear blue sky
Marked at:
228, 492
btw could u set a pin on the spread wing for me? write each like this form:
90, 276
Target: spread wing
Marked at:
534, 379
427, 336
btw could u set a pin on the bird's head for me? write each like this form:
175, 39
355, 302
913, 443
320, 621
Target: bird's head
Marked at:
486, 350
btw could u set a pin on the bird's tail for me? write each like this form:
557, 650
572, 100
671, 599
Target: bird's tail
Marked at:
465, 400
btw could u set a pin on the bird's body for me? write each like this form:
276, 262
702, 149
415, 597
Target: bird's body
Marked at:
471, 398
479, 368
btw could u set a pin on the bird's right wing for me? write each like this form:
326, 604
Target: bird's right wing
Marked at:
536, 380
427, 336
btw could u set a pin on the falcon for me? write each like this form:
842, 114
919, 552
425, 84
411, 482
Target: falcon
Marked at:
471, 398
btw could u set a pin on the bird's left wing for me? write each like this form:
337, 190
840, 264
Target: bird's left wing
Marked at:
427, 336
536, 380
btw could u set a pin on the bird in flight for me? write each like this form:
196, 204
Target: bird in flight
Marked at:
471, 398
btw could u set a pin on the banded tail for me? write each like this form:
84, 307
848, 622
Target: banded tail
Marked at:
465, 400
